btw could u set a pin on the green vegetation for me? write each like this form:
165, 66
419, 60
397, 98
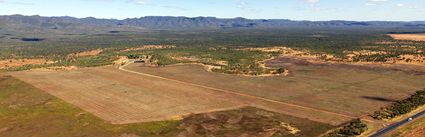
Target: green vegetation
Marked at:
27, 111
401, 107
230, 60
333, 41
199, 44
354, 128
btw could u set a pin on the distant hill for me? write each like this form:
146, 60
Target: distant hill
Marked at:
38, 24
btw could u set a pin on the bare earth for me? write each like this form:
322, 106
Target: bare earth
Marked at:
412, 37
123, 97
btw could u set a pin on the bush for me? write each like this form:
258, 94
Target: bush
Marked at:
401, 107
354, 128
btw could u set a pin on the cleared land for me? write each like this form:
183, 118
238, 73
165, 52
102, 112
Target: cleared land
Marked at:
123, 97
343, 90
412, 37
28, 111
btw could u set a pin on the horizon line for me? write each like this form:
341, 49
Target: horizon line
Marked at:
213, 17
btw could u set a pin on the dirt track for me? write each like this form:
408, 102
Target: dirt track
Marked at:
123, 97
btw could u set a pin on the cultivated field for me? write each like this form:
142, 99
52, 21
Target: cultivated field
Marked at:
412, 37
344, 90
123, 97
28, 111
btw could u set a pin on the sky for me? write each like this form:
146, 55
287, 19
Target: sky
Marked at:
315, 10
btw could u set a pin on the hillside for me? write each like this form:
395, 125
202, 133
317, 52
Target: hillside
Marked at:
39, 24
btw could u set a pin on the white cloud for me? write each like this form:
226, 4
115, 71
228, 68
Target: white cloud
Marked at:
400, 5
375, 2
312, 1
370, 4
140, 2
15, 2
378, 0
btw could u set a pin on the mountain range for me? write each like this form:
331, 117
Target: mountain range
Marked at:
65, 24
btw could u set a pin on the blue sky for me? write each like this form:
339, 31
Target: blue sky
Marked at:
360, 10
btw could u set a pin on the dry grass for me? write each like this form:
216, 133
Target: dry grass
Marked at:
145, 47
27, 111
122, 97
12, 63
411, 37
89, 53
84, 54
345, 90
414, 129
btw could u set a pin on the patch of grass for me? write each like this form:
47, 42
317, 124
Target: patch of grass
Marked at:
27, 111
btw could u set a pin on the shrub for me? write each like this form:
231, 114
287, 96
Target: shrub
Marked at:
401, 107
354, 128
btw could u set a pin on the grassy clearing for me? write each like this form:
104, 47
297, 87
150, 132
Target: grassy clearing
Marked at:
27, 111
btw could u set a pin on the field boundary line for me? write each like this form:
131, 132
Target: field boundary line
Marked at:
235, 93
